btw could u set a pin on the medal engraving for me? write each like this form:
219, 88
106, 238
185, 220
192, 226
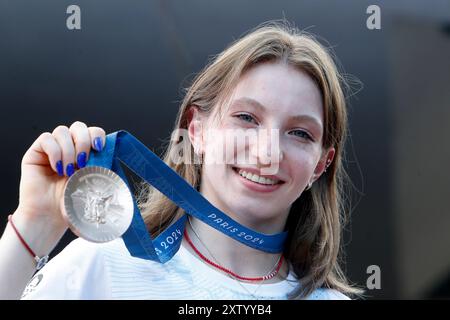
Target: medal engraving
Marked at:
98, 204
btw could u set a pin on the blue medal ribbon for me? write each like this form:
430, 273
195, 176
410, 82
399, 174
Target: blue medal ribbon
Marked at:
122, 147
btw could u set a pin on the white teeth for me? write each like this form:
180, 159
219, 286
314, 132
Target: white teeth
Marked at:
256, 178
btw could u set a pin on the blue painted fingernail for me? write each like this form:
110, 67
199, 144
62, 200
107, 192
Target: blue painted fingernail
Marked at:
59, 168
81, 160
98, 144
70, 169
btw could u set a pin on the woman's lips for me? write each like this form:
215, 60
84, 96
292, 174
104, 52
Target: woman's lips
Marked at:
254, 186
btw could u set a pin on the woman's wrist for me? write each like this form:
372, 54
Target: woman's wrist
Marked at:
39, 232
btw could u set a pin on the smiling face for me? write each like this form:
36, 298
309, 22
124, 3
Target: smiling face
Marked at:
268, 96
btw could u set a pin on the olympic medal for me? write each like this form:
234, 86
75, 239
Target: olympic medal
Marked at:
98, 205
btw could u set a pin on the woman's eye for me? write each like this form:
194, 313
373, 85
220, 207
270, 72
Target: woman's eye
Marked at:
302, 134
246, 117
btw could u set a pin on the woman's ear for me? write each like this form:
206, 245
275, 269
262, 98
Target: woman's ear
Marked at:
195, 128
325, 160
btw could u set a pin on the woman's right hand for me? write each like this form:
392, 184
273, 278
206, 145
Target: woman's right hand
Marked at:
46, 166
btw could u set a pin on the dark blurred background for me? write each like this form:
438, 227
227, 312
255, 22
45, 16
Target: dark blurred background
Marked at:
126, 67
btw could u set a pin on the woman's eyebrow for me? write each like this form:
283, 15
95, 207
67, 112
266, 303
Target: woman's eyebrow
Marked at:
262, 108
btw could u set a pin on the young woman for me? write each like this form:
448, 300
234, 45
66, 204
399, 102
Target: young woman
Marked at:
275, 77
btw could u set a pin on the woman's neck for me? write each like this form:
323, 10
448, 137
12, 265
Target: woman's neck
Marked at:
231, 254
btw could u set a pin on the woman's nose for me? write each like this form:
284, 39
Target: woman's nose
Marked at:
267, 150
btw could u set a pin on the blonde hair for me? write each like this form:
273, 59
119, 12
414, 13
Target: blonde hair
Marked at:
317, 217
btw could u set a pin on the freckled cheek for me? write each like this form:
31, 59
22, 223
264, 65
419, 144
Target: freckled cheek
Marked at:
219, 149
231, 146
213, 173
301, 166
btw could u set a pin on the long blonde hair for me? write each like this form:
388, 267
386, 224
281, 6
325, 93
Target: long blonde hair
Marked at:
317, 217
